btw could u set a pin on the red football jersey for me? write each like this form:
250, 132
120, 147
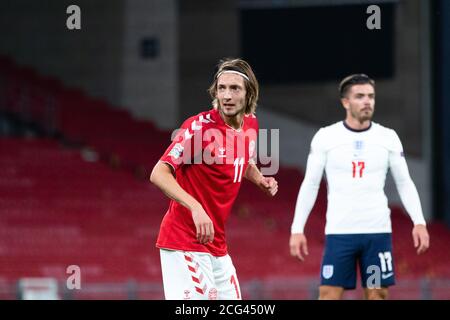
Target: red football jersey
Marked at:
209, 158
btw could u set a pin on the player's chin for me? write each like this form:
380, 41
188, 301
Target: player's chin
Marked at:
230, 112
365, 117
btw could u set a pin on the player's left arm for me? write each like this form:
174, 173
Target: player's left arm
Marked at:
267, 184
409, 196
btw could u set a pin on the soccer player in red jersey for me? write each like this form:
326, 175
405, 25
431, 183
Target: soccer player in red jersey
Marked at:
201, 172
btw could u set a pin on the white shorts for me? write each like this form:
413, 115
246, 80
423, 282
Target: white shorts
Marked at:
198, 276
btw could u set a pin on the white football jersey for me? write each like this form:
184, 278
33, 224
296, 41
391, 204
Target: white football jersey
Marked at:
356, 164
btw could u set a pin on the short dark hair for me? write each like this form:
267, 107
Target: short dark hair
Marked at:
354, 79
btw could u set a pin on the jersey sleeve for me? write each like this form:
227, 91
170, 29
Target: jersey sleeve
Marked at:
185, 146
311, 183
405, 186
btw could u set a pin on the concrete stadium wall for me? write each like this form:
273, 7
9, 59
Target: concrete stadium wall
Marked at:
208, 31
34, 33
399, 100
104, 57
149, 87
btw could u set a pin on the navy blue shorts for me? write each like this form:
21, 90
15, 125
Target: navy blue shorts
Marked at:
373, 253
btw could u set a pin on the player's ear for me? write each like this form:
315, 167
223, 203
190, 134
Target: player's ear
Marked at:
345, 103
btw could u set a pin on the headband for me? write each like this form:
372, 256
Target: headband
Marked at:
233, 71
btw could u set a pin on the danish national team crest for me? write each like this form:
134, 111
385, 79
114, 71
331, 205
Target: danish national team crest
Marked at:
327, 271
212, 295
187, 295
222, 152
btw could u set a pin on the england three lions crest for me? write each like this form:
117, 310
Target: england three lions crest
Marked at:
327, 271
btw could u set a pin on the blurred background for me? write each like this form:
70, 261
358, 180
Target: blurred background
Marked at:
86, 113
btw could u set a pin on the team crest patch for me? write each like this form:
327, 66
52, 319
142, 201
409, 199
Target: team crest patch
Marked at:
327, 271
187, 295
176, 151
222, 152
358, 144
212, 294
358, 147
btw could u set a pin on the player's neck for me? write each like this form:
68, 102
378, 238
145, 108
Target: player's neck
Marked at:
355, 124
234, 122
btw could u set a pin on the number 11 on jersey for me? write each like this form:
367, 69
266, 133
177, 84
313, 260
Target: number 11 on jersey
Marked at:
356, 165
238, 168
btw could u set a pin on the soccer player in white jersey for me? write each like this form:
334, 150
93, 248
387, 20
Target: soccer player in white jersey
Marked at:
356, 154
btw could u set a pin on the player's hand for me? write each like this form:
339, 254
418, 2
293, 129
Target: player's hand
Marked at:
203, 225
421, 238
298, 246
269, 185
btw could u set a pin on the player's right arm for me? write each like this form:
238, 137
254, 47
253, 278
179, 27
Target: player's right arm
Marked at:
182, 151
307, 196
163, 178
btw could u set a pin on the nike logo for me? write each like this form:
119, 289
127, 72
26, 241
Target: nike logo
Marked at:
387, 275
